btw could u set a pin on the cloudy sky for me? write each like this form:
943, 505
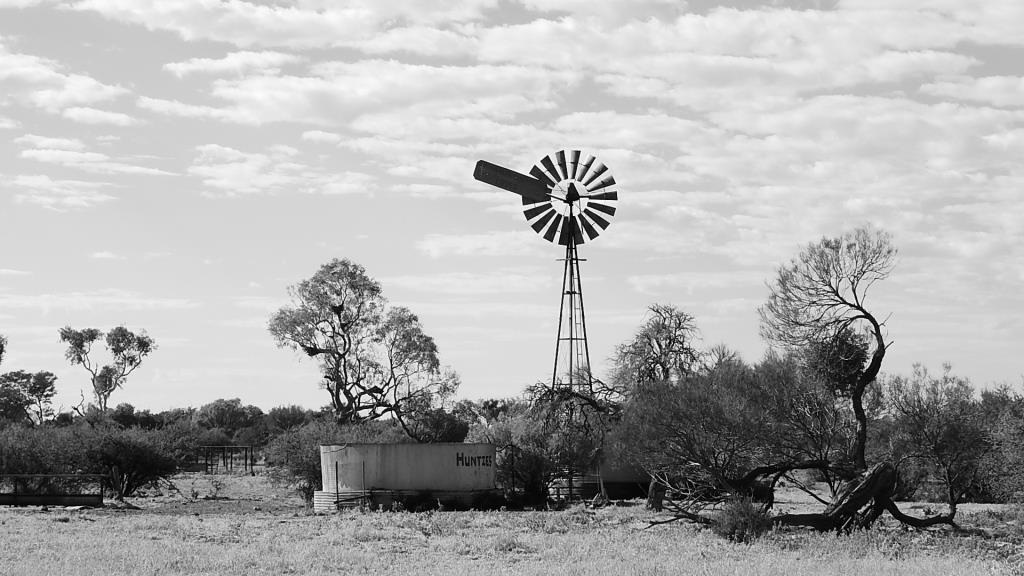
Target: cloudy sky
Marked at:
175, 165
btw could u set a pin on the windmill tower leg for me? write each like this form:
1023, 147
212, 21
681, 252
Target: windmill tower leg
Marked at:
572, 352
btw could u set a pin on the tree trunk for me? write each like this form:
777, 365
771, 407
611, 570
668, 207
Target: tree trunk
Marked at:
655, 496
860, 502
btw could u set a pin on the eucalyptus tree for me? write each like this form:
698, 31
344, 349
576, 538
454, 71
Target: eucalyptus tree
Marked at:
127, 349
29, 394
375, 360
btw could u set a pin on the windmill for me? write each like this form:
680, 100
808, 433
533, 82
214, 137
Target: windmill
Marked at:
569, 198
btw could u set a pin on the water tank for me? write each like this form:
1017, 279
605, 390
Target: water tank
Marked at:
445, 470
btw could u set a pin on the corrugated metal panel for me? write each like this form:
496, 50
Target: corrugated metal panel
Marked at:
424, 467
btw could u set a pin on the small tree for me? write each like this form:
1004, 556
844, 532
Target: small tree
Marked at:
126, 348
820, 300
3, 347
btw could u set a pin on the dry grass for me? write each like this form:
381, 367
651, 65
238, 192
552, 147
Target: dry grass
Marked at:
174, 535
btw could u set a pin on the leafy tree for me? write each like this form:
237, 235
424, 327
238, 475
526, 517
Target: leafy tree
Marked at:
126, 348
375, 361
436, 425
14, 405
27, 395
283, 418
3, 347
663, 348
939, 422
228, 415
819, 300
126, 416
123, 415
494, 408
41, 390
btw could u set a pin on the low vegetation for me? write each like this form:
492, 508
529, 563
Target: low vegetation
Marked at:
254, 526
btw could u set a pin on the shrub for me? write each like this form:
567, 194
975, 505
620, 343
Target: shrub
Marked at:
295, 454
523, 461
129, 460
741, 520
43, 451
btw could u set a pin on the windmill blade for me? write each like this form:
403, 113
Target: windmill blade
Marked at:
560, 158
552, 230
563, 233
588, 228
596, 218
582, 170
577, 231
537, 210
609, 210
603, 184
604, 196
574, 163
538, 225
599, 169
541, 175
510, 180
550, 167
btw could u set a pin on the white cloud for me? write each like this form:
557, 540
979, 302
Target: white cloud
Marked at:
335, 92
518, 243
176, 108
266, 304
49, 142
309, 24
94, 116
57, 194
1005, 91
105, 255
321, 136
99, 299
418, 40
71, 153
693, 281
278, 170
498, 282
12, 272
75, 89
234, 63
43, 83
